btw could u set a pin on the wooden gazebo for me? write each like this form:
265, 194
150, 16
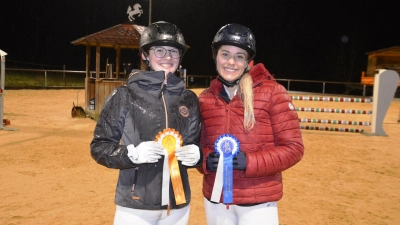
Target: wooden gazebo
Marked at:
122, 36
387, 58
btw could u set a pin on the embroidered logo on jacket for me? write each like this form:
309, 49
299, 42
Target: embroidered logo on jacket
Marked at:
184, 111
291, 106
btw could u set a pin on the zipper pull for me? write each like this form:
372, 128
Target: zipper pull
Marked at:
134, 179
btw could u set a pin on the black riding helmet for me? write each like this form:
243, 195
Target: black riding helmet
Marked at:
236, 35
162, 34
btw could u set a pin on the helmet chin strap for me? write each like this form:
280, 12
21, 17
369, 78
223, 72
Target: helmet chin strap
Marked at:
232, 83
227, 83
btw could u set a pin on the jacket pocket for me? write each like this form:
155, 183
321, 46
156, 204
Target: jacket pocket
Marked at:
147, 183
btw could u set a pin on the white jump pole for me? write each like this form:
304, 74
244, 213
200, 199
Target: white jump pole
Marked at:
3, 59
385, 85
2, 80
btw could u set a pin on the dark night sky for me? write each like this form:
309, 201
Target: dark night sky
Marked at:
295, 39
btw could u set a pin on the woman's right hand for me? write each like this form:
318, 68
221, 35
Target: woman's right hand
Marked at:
212, 161
145, 152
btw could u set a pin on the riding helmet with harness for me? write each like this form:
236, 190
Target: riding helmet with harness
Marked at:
162, 34
236, 35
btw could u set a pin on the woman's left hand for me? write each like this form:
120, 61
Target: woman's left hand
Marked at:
189, 155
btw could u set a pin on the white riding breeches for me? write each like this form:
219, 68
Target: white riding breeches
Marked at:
129, 216
219, 214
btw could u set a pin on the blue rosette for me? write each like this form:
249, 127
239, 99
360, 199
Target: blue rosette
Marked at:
227, 146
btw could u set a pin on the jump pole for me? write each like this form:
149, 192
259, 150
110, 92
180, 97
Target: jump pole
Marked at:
2, 80
330, 110
385, 85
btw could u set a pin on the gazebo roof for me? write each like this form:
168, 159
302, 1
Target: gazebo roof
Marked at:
126, 35
391, 50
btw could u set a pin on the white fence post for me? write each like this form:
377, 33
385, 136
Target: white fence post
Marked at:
385, 85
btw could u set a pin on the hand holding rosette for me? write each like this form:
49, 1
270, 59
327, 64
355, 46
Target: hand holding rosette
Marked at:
189, 155
212, 161
145, 152
239, 161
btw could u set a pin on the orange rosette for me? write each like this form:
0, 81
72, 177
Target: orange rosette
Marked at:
171, 139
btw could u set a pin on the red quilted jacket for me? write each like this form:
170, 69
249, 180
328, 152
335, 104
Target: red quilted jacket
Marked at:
272, 146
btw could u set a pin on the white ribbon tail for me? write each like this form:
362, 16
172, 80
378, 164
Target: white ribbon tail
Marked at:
218, 182
165, 181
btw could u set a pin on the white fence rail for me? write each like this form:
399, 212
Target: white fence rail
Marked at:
75, 79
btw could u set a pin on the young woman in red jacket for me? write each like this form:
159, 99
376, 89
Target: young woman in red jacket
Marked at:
250, 134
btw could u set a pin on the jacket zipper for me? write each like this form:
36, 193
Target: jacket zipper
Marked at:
228, 109
166, 126
163, 88
165, 110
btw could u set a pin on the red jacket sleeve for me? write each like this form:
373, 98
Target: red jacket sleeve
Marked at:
206, 151
287, 148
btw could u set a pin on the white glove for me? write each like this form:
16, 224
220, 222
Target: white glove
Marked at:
188, 154
145, 152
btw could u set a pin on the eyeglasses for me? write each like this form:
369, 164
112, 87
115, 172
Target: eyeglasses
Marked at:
161, 52
240, 57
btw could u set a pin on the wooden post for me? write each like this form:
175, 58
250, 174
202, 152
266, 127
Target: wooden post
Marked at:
96, 86
117, 63
87, 78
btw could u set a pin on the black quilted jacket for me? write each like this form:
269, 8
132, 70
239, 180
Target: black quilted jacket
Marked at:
135, 113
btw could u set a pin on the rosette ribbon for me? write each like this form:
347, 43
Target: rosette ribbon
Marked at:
226, 146
171, 140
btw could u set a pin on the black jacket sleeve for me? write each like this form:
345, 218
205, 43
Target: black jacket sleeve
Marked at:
195, 125
105, 147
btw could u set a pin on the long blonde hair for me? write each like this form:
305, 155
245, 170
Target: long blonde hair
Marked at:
246, 96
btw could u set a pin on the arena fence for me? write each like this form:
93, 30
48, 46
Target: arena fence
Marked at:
384, 89
382, 96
